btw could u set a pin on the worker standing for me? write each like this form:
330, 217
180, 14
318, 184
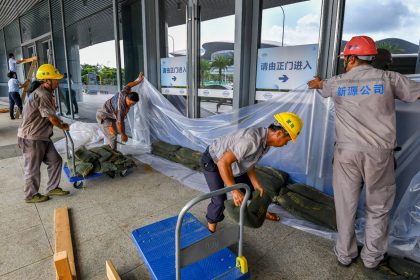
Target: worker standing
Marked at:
34, 137
231, 159
365, 128
113, 113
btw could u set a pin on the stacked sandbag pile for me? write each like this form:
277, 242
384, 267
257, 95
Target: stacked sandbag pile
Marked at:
176, 153
301, 200
99, 160
272, 181
308, 203
405, 267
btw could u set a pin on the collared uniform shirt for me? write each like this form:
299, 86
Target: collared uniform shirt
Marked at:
13, 85
248, 146
364, 101
114, 108
12, 64
35, 124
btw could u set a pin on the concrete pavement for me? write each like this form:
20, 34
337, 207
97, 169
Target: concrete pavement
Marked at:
104, 213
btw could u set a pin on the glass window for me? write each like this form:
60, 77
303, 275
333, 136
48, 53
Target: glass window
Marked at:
92, 65
287, 57
396, 30
217, 57
173, 63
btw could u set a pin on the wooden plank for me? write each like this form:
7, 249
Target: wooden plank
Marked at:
62, 266
111, 272
62, 236
27, 82
30, 59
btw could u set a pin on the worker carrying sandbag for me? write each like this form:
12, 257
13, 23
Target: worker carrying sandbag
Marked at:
113, 113
231, 159
365, 141
34, 137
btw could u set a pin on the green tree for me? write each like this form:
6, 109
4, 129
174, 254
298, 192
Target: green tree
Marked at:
205, 66
392, 48
221, 63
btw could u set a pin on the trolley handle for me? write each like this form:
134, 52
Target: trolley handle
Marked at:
196, 200
69, 140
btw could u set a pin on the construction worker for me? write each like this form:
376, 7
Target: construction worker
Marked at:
34, 137
113, 113
12, 62
365, 139
231, 159
14, 96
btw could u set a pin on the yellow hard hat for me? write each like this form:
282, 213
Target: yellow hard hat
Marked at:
291, 122
48, 71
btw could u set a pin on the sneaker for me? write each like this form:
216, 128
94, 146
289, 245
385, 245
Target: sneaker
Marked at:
76, 116
37, 198
58, 191
381, 263
348, 264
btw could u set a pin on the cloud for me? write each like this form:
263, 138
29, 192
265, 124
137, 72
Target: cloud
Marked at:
306, 31
363, 16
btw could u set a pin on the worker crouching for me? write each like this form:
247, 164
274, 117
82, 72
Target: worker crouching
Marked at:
231, 159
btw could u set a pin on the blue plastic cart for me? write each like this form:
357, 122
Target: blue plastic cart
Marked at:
76, 180
181, 246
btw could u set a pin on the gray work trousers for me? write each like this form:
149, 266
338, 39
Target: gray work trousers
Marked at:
110, 139
34, 153
350, 169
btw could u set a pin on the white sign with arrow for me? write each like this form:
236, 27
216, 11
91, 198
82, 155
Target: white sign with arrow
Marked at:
284, 68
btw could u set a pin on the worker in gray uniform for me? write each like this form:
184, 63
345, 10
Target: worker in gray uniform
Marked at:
113, 113
34, 137
231, 159
365, 128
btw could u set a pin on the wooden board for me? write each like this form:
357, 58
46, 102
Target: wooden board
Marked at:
62, 266
27, 83
62, 236
111, 272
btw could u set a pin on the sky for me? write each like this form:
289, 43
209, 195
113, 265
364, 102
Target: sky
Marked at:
376, 18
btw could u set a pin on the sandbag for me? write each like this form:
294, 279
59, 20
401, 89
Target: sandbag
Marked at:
271, 179
163, 146
103, 153
107, 167
310, 210
82, 168
256, 209
312, 194
83, 154
188, 154
405, 267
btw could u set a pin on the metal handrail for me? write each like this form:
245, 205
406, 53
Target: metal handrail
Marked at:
196, 200
70, 140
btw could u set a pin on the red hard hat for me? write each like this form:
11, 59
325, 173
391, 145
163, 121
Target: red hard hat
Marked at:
360, 45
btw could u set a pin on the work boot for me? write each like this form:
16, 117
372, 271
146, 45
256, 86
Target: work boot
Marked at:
37, 198
58, 191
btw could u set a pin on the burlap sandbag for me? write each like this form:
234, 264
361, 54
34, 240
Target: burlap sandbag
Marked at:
257, 208
308, 209
103, 153
83, 154
82, 168
163, 146
271, 179
405, 267
107, 167
188, 155
312, 194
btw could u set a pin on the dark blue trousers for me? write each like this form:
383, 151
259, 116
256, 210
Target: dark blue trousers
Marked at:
214, 181
14, 98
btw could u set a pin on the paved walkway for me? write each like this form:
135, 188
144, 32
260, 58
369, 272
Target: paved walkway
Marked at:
107, 210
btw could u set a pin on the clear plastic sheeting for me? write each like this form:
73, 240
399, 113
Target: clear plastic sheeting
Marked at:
165, 122
405, 229
90, 135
